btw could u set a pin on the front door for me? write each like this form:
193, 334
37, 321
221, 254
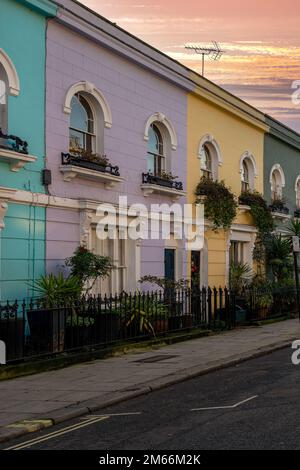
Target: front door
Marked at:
170, 264
195, 269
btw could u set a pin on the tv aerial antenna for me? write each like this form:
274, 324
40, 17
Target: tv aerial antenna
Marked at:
214, 52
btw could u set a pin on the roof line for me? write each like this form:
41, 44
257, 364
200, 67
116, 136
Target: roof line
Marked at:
182, 66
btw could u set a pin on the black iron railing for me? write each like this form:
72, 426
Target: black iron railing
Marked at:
12, 142
149, 178
280, 209
34, 330
79, 160
297, 214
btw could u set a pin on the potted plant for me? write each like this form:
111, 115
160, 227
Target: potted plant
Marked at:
279, 205
47, 323
88, 159
263, 304
88, 267
165, 178
138, 323
174, 293
12, 328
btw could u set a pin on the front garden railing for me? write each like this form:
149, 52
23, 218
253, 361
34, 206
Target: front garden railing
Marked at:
31, 329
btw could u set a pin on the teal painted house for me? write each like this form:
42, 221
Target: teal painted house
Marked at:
22, 144
282, 172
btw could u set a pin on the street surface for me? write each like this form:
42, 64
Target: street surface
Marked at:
254, 405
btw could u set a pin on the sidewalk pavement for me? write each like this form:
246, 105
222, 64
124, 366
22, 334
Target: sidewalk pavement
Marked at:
31, 403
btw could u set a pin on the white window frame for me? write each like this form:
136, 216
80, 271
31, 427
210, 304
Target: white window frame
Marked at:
215, 154
248, 159
274, 190
11, 72
297, 190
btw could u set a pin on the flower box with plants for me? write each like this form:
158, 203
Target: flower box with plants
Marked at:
279, 206
220, 205
14, 143
89, 160
297, 214
163, 178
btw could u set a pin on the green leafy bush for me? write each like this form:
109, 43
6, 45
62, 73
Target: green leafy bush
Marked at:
263, 221
55, 290
89, 267
220, 205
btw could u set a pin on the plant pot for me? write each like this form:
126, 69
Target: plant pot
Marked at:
160, 325
12, 333
87, 164
187, 321
164, 182
47, 330
107, 327
78, 336
262, 312
175, 322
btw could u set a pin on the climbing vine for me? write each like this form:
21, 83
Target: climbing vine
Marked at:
220, 205
263, 221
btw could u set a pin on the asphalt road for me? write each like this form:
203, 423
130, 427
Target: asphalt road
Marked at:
262, 397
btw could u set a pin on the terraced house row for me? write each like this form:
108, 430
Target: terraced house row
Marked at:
89, 113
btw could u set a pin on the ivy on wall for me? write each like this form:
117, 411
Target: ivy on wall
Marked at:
220, 204
263, 221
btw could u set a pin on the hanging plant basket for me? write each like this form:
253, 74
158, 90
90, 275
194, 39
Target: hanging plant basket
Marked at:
220, 204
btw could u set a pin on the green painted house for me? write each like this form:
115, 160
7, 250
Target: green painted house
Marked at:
282, 172
22, 144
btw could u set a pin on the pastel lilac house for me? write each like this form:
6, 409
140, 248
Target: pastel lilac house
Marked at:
116, 118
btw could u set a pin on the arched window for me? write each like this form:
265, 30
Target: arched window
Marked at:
297, 189
248, 171
82, 129
210, 157
245, 177
207, 163
155, 155
276, 185
3, 99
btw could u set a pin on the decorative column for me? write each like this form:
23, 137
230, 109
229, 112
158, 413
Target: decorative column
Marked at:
86, 217
227, 256
3, 210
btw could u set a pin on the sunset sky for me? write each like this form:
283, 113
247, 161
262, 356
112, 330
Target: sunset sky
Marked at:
261, 40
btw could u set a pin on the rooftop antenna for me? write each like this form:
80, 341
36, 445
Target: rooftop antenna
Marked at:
214, 52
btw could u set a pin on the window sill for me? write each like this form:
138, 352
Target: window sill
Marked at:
7, 194
281, 216
243, 208
15, 159
149, 189
71, 171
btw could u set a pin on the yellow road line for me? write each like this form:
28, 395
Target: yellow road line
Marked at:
54, 434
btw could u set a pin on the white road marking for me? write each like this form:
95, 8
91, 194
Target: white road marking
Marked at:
88, 420
228, 407
113, 414
54, 434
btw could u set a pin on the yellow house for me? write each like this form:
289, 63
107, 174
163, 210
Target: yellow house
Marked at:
225, 142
